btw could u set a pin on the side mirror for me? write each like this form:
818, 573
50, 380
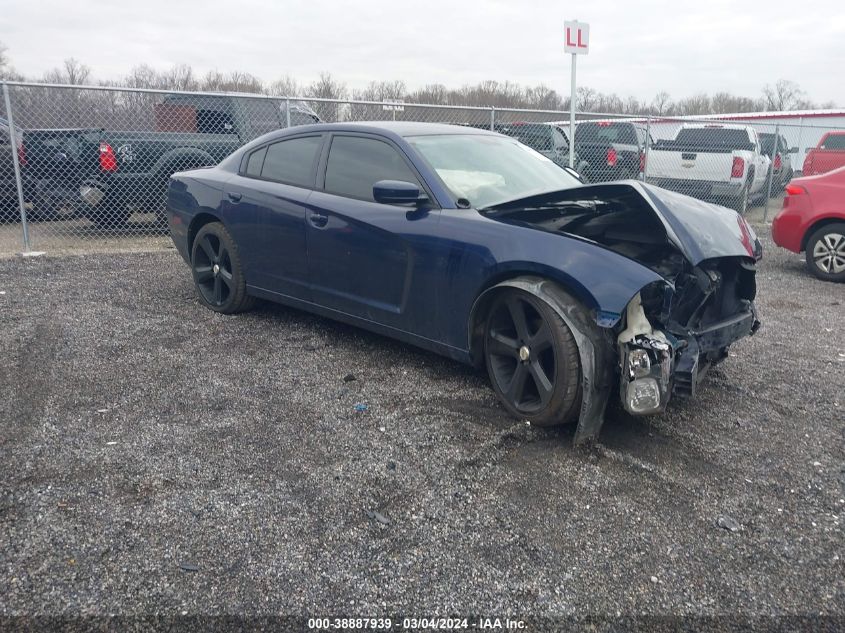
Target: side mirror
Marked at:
573, 173
397, 192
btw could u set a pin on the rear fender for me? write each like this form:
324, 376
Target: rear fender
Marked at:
595, 350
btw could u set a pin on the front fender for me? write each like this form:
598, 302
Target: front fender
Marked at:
595, 350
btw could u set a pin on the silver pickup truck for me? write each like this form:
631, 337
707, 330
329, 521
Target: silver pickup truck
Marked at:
713, 162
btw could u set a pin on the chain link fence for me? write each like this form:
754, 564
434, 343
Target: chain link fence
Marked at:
86, 168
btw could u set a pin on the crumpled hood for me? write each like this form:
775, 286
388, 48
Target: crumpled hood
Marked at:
701, 230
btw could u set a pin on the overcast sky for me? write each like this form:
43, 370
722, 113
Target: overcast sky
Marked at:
637, 48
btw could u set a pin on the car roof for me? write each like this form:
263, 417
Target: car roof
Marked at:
399, 128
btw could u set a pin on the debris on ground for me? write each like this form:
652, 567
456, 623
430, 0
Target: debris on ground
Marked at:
378, 516
727, 523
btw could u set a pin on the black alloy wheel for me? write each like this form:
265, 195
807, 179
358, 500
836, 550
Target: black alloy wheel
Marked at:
532, 358
218, 274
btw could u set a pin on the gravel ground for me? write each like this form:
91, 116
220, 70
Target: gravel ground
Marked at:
160, 458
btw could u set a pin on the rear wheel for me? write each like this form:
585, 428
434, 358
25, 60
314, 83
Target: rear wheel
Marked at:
218, 272
111, 214
825, 252
532, 359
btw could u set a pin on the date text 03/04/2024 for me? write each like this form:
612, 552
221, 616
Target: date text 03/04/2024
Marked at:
417, 624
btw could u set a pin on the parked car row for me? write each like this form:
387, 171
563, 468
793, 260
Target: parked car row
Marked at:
105, 174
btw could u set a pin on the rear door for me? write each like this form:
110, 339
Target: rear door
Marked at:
362, 254
266, 205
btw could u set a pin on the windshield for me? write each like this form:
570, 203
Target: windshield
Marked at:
488, 170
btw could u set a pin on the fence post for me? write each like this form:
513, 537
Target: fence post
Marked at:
13, 138
287, 112
771, 175
647, 146
800, 155
492, 118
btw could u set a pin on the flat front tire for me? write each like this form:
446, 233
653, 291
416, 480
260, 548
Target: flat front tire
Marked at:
218, 272
825, 252
532, 359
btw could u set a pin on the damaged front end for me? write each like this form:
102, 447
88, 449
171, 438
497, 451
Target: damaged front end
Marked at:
675, 332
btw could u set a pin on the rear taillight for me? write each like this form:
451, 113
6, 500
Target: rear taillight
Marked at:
642, 162
738, 167
21, 154
108, 161
778, 162
611, 157
795, 190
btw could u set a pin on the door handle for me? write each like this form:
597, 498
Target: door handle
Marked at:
317, 220
234, 196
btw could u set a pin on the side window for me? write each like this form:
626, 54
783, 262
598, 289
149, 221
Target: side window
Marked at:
355, 164
255, 162
292, 161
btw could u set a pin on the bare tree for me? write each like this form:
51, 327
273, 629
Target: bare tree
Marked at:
326, 87
72, 72
662, 103
585, 99
285, 86
784, 95
181, 77
430, 93
696, 104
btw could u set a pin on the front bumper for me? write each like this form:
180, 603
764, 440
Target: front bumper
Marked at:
657, 365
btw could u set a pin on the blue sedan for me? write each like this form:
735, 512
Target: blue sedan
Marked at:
470, 244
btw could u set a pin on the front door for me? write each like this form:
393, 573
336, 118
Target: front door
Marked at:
364, 257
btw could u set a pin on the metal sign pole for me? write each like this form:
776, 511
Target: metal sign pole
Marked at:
572, 116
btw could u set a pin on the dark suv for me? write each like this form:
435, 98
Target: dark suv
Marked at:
611, 150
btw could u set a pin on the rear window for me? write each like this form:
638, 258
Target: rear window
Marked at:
730, 138
292, 161
605, 133
835, 141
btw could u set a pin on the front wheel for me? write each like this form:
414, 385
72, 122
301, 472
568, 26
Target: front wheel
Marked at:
825, 252
218, 272
532, 359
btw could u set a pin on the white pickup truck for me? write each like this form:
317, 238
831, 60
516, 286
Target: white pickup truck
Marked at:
711, 161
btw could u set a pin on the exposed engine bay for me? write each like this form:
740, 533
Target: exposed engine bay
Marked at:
675, 329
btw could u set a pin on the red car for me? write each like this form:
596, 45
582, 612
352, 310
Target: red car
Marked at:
828, 155
813, 220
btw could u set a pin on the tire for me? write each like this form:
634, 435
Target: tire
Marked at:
532, 359
111, 214
740, 202
218, 272
825, 252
